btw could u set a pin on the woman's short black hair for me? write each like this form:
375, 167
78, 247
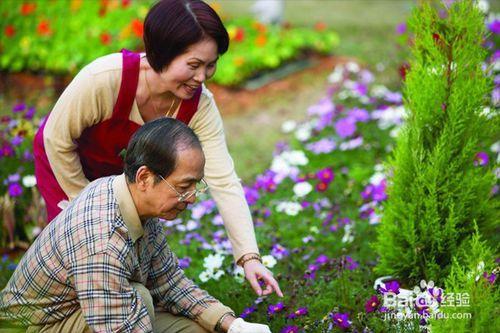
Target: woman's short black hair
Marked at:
156, 145
171, 26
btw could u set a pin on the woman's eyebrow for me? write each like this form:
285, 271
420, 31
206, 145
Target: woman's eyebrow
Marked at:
202, 61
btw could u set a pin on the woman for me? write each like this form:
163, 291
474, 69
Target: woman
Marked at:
85, 135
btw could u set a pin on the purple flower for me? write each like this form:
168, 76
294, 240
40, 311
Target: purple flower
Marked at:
323, 146
436, 293
491, 278
372, 304
17, 140
13, 178
19, 107
30, 113
481, 159
279, 252
345, 127
290, 329
248, 311
390, 287
28, 156
324, 106
350, 263
251, 195
360, 89
265, 182
322, 259
275, 308
401, 28
15, 190
360, 115
325, 175
494, 26
297, 313
341, 320
184, 262
7, 150
393, 97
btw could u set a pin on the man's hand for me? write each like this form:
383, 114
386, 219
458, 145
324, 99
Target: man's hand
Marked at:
254, 270
240, 326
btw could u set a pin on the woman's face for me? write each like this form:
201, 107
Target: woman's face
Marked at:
185, 74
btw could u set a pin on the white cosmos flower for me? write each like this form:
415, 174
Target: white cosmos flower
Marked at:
295, 157
216, 276
303, 133
213, 261
289, 208
483, 6
352, 67
288, 126
269, 261
302, 189
204, 276
337, 75
239, 274
29, 181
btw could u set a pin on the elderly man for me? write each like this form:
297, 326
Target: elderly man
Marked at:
104, 264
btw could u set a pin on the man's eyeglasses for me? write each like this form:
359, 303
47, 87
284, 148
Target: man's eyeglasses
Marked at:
201, 187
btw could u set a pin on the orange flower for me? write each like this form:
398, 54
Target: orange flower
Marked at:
259, 27
9, 31
137, 27
320, 26
239, 61
43, 28
105, 38
261, 40
27, 8
75, 5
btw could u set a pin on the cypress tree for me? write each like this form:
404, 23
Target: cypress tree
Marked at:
436, 192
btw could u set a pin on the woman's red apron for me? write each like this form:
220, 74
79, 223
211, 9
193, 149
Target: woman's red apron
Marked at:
100, 147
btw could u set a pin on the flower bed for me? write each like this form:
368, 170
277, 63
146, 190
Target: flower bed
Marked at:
37, 36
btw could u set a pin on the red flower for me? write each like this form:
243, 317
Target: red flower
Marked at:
320, 26
105, 38
436, 37
27, 8
137, 27
321, 187
43, 28
240, 35
403, 70
125, 3
9, 31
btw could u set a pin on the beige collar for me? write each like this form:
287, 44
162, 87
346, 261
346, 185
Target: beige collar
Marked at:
127, 207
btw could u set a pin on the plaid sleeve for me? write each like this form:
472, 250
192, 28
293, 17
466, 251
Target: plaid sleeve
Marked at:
108, 302
170, 287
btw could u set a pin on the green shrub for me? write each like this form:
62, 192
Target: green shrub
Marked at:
470, 276
437, 190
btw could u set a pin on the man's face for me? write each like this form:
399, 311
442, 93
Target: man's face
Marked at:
163, 201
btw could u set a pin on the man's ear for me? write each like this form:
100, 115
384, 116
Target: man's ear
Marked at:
144, 178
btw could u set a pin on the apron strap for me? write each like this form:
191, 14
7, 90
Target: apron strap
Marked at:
189, 107
128, 86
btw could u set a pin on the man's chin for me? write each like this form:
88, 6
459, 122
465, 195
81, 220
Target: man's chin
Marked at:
170, 215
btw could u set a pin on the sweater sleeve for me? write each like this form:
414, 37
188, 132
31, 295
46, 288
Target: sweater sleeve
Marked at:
221, 177
83, 103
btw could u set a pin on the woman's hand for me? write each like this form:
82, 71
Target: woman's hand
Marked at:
255, 270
